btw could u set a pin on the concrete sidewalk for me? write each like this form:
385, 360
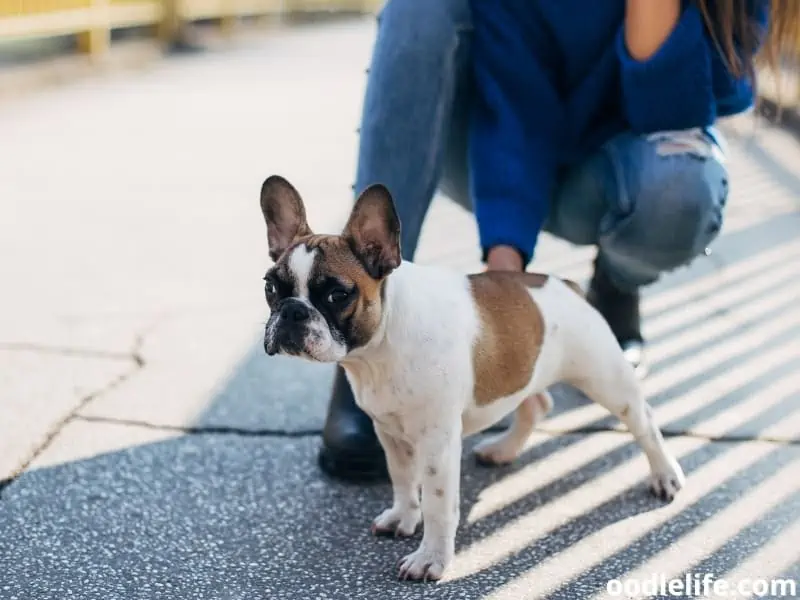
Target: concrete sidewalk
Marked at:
149, 449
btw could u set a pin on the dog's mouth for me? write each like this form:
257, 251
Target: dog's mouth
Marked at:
288, 347
284, 342
301, 343
311, 341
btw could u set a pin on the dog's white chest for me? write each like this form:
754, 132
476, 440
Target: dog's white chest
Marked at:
387, 400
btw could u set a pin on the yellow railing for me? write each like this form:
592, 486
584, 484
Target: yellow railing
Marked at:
93, 20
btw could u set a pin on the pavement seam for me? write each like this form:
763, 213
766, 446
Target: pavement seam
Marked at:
311, 432
203, 429
135, 356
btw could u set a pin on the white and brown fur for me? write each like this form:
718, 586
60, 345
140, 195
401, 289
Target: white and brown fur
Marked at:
434, 355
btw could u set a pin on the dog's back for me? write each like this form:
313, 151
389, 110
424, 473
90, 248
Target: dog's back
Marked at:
519, 349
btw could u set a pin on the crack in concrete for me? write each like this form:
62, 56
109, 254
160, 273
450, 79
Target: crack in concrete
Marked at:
135, 356
71, 352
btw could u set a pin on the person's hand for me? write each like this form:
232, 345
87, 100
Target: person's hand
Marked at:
504, 258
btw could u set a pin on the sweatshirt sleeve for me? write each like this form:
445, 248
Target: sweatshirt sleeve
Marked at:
678, 86
514, 129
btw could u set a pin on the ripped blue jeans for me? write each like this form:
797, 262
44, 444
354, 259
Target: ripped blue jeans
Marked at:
649, 203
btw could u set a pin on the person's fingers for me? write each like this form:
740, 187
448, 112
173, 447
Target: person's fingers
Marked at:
503, 258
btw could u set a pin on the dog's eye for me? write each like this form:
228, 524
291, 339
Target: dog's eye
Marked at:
337, 296
269, 288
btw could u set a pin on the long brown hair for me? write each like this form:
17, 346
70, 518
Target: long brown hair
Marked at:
730, 26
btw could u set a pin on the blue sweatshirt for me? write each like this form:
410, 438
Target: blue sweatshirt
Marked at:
555, 81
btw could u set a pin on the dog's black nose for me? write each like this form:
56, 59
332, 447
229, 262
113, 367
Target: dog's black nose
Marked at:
295, 312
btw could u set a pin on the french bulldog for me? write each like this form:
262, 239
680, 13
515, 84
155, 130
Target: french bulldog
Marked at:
434, 355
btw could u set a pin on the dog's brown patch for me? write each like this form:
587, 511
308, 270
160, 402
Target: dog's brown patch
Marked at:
538, 280
336, 259
511, 332
533, 280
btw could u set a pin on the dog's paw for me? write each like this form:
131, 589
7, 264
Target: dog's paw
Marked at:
397, 523
667, 480
496, 451
424, 564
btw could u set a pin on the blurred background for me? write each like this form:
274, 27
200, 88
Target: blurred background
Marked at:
149, 448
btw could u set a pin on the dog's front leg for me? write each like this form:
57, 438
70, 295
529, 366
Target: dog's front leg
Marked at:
440, 460
404, 516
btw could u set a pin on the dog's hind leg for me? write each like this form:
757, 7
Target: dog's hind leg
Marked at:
505, 447
587, 355
613, 384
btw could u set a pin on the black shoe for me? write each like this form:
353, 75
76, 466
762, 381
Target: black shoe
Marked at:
350, 449
620, 308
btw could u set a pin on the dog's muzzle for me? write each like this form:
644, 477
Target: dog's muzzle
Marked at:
287, 328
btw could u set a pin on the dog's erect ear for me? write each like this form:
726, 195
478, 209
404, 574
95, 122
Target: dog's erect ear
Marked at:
284, 215
373, 231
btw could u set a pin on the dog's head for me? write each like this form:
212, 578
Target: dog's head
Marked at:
325, 292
